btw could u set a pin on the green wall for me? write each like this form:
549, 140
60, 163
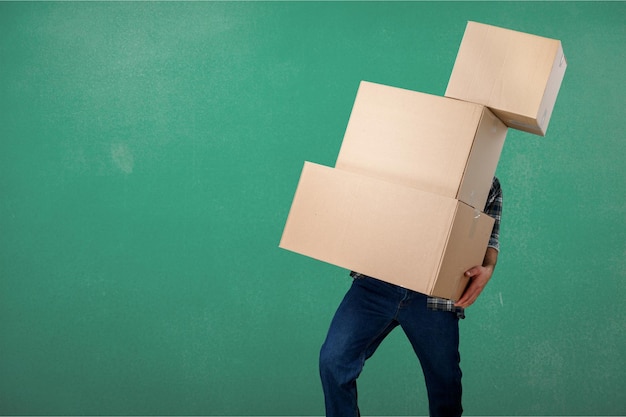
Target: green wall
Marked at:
149, 152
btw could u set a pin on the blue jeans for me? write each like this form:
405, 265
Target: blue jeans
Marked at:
370, 310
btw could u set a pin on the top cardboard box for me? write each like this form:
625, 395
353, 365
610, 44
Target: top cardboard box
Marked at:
436, 144
517, 75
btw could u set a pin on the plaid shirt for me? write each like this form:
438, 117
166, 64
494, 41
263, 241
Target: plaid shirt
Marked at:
493, 208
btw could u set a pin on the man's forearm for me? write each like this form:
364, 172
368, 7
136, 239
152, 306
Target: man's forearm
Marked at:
491, 258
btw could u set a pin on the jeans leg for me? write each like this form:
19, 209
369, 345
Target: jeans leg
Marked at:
363, 319
434, 336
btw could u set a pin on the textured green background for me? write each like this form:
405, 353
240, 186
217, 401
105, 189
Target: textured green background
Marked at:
148, 157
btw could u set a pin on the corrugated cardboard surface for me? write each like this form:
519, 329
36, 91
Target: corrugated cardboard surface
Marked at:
483, 160
517, 75
466, 245
423, 141
388, 231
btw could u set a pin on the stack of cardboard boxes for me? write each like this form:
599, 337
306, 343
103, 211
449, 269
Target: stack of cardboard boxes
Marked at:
404, 201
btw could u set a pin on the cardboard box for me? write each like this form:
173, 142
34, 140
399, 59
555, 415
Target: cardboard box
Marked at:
517, 75
399, 234
436, 144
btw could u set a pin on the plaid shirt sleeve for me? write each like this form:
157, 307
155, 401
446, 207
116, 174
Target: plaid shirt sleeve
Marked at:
493, 208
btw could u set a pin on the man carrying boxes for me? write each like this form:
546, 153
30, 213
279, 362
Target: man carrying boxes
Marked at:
412, 208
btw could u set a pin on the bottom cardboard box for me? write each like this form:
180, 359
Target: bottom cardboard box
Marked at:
408, 237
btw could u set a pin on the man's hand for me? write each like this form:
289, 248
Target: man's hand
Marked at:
479, 277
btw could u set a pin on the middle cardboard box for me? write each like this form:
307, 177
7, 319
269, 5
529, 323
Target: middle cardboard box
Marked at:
437, 144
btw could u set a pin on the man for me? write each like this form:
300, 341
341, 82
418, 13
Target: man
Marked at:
371, 309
